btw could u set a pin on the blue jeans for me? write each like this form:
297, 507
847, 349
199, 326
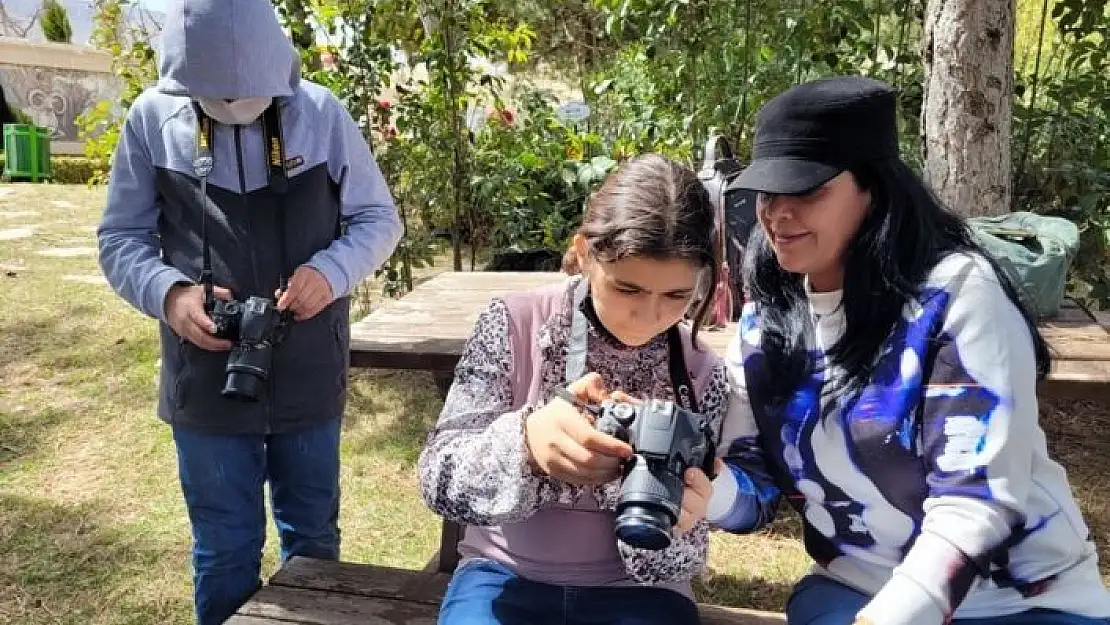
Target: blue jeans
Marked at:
222, 480
483, 592
818, 600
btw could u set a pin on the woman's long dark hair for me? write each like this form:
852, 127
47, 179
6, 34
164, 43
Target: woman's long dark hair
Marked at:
902, 238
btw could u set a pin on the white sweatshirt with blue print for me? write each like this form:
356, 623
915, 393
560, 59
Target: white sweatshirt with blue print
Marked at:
931, 490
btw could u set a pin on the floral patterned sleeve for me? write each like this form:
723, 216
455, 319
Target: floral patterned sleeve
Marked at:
686, 556
474, 466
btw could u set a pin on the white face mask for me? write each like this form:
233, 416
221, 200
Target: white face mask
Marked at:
237, 112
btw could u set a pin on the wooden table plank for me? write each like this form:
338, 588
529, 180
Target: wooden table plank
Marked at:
243, 619
323, 592
494, 281
427, 329
1088, 341
1076, 379
362, 579
1078, 343
390, 336
419, 354
720, 615
319, 607
440, 351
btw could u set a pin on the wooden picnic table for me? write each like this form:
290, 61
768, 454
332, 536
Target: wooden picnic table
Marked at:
426, 330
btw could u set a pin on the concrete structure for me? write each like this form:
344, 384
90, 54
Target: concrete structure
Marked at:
54, 83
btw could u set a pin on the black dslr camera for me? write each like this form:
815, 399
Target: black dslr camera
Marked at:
256, 326
667, 440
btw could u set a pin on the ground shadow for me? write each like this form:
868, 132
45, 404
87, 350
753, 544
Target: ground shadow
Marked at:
58, 350
66, 564
1078, 435
753, 593
391, 412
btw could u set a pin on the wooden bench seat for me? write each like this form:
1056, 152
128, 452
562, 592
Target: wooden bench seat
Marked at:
318, 592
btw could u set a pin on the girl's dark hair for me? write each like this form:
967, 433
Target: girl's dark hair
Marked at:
904, 235
652, 207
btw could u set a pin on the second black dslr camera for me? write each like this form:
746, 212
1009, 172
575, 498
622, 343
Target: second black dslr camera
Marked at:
256, 327
667, 440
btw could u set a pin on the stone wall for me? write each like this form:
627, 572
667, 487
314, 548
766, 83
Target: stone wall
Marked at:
55, 83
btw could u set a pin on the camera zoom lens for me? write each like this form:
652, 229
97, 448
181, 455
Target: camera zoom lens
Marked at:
649, 505
242, 386
644, 528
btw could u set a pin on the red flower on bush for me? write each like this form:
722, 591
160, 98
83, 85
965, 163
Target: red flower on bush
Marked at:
502, 116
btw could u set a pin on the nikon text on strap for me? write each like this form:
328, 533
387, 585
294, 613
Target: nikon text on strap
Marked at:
203, 164
279, 182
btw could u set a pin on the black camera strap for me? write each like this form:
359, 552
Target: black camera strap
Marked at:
680, 377
203, 163
577, 346
277, 178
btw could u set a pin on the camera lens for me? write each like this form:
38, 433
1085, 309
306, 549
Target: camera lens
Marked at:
247, 369
649, 504
242, 386
642, 527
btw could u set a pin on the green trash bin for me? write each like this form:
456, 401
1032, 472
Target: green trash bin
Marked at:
26, 152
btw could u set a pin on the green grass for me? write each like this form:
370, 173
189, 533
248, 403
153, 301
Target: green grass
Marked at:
92, 526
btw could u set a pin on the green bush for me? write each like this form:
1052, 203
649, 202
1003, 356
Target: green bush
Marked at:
55, 22
71, 169
66, 169
531, 175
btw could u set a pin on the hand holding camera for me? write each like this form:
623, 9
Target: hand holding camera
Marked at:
308, 294
563, 443
186, 316
665, 483
249, 330
256, 327
699, 488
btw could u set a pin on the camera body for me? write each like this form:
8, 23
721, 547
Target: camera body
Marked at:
255, 326
667, 440
226, 314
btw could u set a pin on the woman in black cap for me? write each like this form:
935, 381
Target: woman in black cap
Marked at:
884, 382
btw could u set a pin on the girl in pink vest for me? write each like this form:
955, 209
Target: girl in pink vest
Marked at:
536, 484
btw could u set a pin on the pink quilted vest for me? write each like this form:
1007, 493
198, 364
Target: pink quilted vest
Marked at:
570, 545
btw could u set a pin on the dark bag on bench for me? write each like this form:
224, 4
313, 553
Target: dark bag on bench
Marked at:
735, 219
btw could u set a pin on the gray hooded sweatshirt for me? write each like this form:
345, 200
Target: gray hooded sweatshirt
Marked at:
339, 216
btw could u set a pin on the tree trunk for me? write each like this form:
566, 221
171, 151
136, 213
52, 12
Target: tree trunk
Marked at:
454, 79
967, 112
